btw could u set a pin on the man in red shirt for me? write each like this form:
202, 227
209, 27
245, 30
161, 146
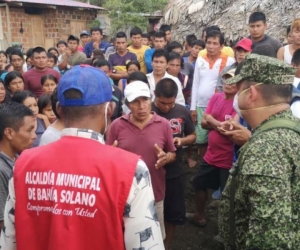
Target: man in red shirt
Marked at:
32, 78
77, 193
145, 133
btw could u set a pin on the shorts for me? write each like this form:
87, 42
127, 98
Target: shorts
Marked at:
174, 203
210, 177
160, 214
201, 133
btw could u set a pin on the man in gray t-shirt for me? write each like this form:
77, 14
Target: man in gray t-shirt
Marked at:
17, 133
257, 28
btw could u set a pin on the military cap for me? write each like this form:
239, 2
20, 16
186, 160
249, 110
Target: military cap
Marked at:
264, 69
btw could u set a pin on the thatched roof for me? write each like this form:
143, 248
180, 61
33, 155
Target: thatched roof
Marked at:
191, 16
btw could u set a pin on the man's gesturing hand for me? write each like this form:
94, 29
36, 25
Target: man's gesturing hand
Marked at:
162, 157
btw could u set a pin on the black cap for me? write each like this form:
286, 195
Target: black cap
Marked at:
72, 38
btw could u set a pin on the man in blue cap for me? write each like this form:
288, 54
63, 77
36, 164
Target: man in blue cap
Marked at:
78, 193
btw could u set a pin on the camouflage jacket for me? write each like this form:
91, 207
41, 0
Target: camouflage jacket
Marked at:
267, 199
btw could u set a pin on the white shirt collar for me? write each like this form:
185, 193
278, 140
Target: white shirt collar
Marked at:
84, 133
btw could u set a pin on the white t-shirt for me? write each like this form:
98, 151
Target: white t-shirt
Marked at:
205, 81
295, 107
287, 56
24, 67
50, 135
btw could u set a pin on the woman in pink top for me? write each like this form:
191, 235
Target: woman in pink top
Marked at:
214, 170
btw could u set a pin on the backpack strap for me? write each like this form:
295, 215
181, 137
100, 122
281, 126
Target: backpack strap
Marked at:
269, 125
278, 123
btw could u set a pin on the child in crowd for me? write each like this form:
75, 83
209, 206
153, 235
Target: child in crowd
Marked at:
61, 46
131, 67
146, 39
54, 51
28, 59
45, 107
49, 83
53, 132
52, 61
2, 93
3, 61
29, 100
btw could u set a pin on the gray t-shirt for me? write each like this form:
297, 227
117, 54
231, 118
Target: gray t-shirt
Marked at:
76, 58
268, 46
110, 50
50, 135
6, 167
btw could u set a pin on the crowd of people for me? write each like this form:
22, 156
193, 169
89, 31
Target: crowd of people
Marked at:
93, 137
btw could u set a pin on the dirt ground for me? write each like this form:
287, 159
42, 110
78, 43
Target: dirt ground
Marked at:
190, 237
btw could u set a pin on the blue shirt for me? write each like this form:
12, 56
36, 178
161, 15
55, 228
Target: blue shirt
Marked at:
88, 48
186, 59
148, 59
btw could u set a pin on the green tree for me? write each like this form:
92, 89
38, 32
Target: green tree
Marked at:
129, 13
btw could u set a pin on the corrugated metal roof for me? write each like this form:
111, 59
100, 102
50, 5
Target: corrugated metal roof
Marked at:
68, 3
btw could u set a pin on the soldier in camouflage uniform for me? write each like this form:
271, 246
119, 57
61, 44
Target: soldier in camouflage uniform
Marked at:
265, 205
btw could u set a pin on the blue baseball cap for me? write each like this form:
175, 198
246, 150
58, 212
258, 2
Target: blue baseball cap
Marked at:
93, 84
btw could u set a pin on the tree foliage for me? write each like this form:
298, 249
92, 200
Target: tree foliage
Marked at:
129, 13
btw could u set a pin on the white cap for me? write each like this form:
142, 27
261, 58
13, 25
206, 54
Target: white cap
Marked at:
136, 89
